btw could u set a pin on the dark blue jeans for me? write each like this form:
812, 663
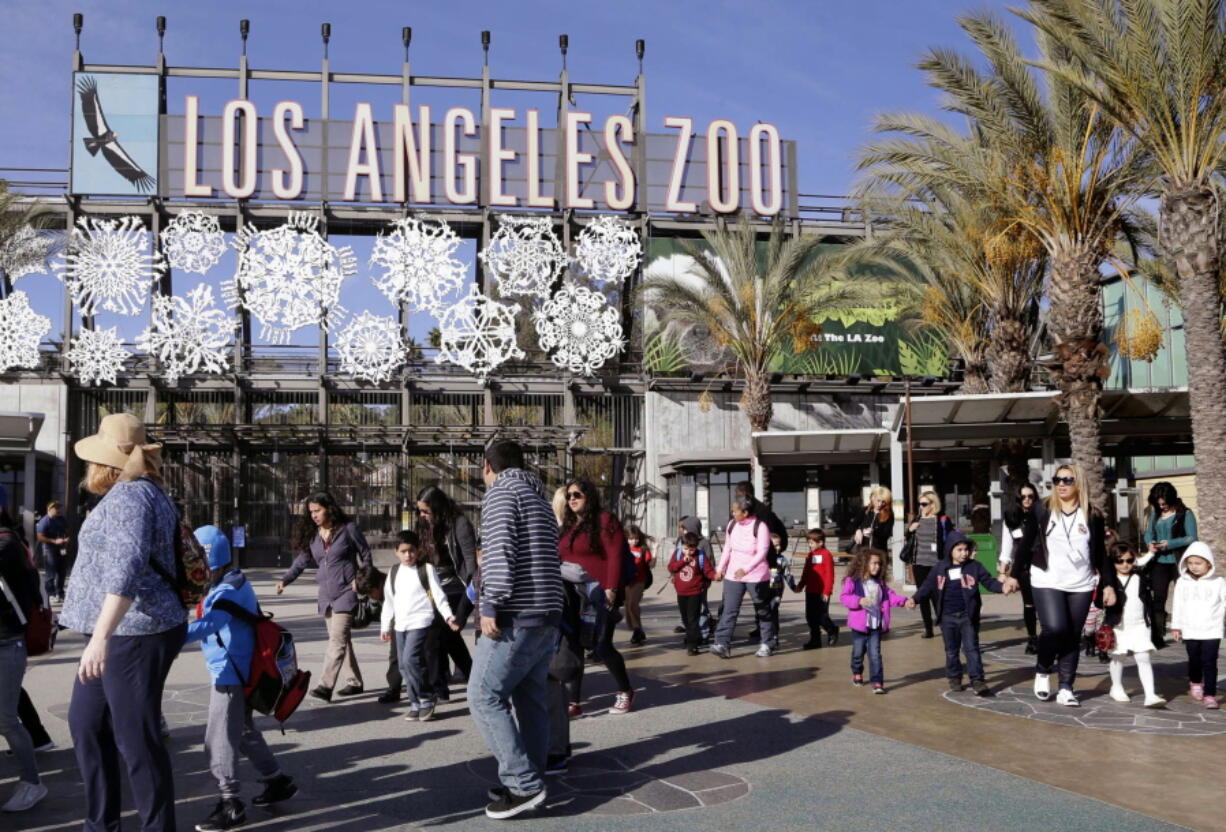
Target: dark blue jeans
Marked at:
1202, 662
734, 593
418, 654
120, 715
959, 631
870, 641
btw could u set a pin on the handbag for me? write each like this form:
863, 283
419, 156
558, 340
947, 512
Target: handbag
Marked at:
909, 550
1104, 638
40, 626
366, 612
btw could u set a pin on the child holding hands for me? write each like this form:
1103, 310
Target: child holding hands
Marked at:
868, 598
817, 582
692, 572
1129, 619
410, 597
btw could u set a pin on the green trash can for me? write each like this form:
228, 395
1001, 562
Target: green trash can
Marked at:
985, 552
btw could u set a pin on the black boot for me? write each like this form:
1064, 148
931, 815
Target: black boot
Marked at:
1032, 646
277, 789
228, 815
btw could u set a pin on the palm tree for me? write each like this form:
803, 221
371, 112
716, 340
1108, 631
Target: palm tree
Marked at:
19, 247
758, 300
1057, 172
1157, 68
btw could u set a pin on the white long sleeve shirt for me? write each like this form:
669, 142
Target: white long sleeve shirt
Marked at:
406, 606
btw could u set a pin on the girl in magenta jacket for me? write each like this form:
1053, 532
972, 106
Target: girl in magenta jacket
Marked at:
868, 598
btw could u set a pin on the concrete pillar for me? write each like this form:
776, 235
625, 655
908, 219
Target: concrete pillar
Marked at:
898, 487
1049, 462
28, 494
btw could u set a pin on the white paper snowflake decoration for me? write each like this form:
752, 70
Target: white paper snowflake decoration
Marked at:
193, 242
478, 333
188, 336
97, 355
524, 256
371, 347
421, 267
109, 265
24, 252
21, 331
608, 250
580, 328
289, 276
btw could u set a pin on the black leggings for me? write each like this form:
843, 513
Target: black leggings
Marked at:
1028, 613
607, 654
1161, 575
1062, 616
928, 605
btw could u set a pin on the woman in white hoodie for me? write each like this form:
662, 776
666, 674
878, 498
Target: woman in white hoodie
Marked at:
1196, 619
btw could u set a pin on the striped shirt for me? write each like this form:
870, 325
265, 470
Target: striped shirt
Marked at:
521, 575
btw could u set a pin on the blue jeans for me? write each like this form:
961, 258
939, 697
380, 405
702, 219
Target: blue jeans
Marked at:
417, 651
872, 641
512, 670
958, 631
12, 668
734, 593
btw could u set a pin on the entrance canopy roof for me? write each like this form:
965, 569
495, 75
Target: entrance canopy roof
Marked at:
815, 447
18, 431
1136, 421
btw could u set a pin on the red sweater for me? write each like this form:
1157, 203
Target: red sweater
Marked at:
643, 558
575, 546
818, 574
686, 576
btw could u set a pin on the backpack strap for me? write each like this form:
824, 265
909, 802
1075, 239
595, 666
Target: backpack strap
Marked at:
240, 612
423, 575
391, 580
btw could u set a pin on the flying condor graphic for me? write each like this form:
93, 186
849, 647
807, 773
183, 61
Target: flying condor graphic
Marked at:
103, 138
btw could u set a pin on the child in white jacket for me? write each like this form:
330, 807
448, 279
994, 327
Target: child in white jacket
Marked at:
1196, 619
411, 594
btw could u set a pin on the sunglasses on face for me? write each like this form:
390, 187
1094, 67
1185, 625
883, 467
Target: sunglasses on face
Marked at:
576, 495
1027, 496
1126, 560
1063, 481
924, 504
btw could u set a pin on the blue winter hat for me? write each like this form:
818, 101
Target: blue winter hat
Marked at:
216, 546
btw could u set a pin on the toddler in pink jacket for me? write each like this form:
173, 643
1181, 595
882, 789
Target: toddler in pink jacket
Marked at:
868, 598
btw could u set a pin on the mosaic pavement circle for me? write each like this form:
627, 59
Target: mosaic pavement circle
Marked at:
1182, 717
603, 785
1014, 653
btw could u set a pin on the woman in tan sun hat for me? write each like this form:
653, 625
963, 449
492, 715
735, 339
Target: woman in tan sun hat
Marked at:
135, 623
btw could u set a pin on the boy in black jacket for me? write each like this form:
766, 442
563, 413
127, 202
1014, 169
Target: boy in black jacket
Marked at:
954, 583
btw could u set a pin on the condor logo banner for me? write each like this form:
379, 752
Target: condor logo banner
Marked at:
114, 134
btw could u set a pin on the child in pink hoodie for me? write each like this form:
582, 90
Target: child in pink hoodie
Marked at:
868, 598
743, 568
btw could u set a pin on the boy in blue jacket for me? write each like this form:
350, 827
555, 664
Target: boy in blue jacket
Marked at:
955, 583
228, 645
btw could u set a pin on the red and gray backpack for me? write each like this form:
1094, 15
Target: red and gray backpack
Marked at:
273, 685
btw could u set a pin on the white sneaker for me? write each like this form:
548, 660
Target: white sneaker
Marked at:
764, 651
1067, 697
1119, 695
1155, 701
1042, 686
25, 797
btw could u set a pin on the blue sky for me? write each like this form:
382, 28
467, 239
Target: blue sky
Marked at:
819, 69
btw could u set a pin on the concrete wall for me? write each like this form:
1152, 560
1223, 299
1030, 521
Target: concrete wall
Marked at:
50, 398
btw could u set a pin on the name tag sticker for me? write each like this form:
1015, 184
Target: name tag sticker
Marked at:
934, 547
818, 558
955, 574
1017, 534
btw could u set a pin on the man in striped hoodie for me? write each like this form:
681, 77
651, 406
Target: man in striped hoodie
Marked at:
521, 605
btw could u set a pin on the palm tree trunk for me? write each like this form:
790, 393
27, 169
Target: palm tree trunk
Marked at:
1190, 222
975, 377
1077, 325
1009, 355
757, 406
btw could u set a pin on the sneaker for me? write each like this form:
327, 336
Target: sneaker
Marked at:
574, 710
623, 703
425, 712
1210, 702
980, 687
1067, 697
322, 693
389, 697
1155, 701
955, 683
764, 651
878, 688
25, 796
833, 638
1197, 691
1042, 686
350, 690
721, 650
509, 805
497, 792
413, 714
678, 630
228, 814
1119, 694
47, 746
277, 789
1032, 646
557, 765
811, 644
857, 679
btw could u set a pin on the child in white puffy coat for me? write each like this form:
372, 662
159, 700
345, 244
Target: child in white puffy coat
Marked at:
1197, 619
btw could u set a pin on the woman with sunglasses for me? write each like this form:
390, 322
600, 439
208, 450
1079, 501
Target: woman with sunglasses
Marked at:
1065, 567
1170, 528
1017, 540
594, 539
929, 530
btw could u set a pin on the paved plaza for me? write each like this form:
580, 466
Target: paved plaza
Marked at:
782, 743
